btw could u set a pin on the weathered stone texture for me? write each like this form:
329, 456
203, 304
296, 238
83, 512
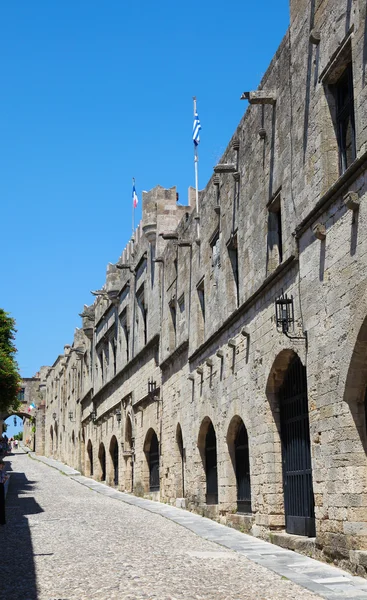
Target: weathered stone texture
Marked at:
183, 338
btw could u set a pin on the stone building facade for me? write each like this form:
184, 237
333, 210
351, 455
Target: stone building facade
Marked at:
223, 365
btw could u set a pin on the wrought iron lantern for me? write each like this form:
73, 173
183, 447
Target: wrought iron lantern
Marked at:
93, 416
15, 421
54, 416
284, 314
71, 415
152, 387
118, 415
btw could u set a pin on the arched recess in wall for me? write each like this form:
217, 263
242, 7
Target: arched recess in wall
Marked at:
179, 464
128, 455
355, 393
114, 453
90, 457
56, 434
102, 461
151, 450
51, 439
238, 447
207, 444
287, 394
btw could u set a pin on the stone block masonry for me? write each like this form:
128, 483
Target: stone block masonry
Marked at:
180, 384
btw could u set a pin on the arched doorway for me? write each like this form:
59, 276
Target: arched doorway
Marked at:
207, 444
151, 449
211, 466
238, 447
180, 479
102, 461
296, 451
129, 456
90, 457
114, 452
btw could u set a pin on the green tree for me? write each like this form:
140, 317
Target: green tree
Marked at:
9, 374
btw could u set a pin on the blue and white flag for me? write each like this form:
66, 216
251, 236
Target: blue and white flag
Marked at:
196, 129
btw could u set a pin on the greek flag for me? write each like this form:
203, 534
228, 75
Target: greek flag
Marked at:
196, 130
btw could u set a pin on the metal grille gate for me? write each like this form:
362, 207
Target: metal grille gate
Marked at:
211, 466
154, 464
116, 463
296, 454
243, 471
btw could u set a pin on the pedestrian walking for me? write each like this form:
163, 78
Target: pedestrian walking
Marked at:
3, 479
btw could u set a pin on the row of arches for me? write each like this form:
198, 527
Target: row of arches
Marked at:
289, 404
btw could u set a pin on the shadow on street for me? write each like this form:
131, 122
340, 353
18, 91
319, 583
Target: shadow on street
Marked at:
17, 564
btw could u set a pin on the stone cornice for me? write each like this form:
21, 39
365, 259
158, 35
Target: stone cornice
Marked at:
335, 190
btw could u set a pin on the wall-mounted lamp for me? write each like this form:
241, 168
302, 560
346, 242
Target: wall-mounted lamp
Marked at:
118, 415
284, 315
152, 387
93, 415
54, 416
71, 416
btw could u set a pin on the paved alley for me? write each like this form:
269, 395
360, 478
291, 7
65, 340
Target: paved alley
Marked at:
65, 541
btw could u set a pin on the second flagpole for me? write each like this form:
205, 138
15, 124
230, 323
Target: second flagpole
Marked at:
196, 161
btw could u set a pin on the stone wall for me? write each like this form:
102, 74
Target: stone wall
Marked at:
182, 339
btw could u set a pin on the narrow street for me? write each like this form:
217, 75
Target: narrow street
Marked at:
65, 541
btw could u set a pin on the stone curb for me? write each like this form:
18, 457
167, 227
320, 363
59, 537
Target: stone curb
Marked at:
325, 580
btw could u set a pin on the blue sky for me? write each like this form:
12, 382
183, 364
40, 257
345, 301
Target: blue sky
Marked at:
94, 94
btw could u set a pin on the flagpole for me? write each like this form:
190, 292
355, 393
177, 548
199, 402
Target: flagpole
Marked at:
196, 161
133, 210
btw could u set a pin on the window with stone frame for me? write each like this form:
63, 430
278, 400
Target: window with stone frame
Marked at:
124, 337
181, 317
232, 247
21, 394
274, 237
216, 258
142, 315
100, 365
173, 323
112, 347
339, 130
201, 311
344, 117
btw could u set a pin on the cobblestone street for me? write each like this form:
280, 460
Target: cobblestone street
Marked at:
65, 541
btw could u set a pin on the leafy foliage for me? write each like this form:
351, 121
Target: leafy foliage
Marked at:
9, 374
19, 436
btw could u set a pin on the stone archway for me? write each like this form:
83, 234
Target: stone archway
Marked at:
114, 455
129, 456
207, 444
90, 458
51, 439
179, 464
238, 447
102, 462
151, 450
287, 395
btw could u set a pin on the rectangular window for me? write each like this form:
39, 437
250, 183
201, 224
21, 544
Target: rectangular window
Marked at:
275, 246
233, 257
173, 312
343, 91
140, 297
21, 394
201, 296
